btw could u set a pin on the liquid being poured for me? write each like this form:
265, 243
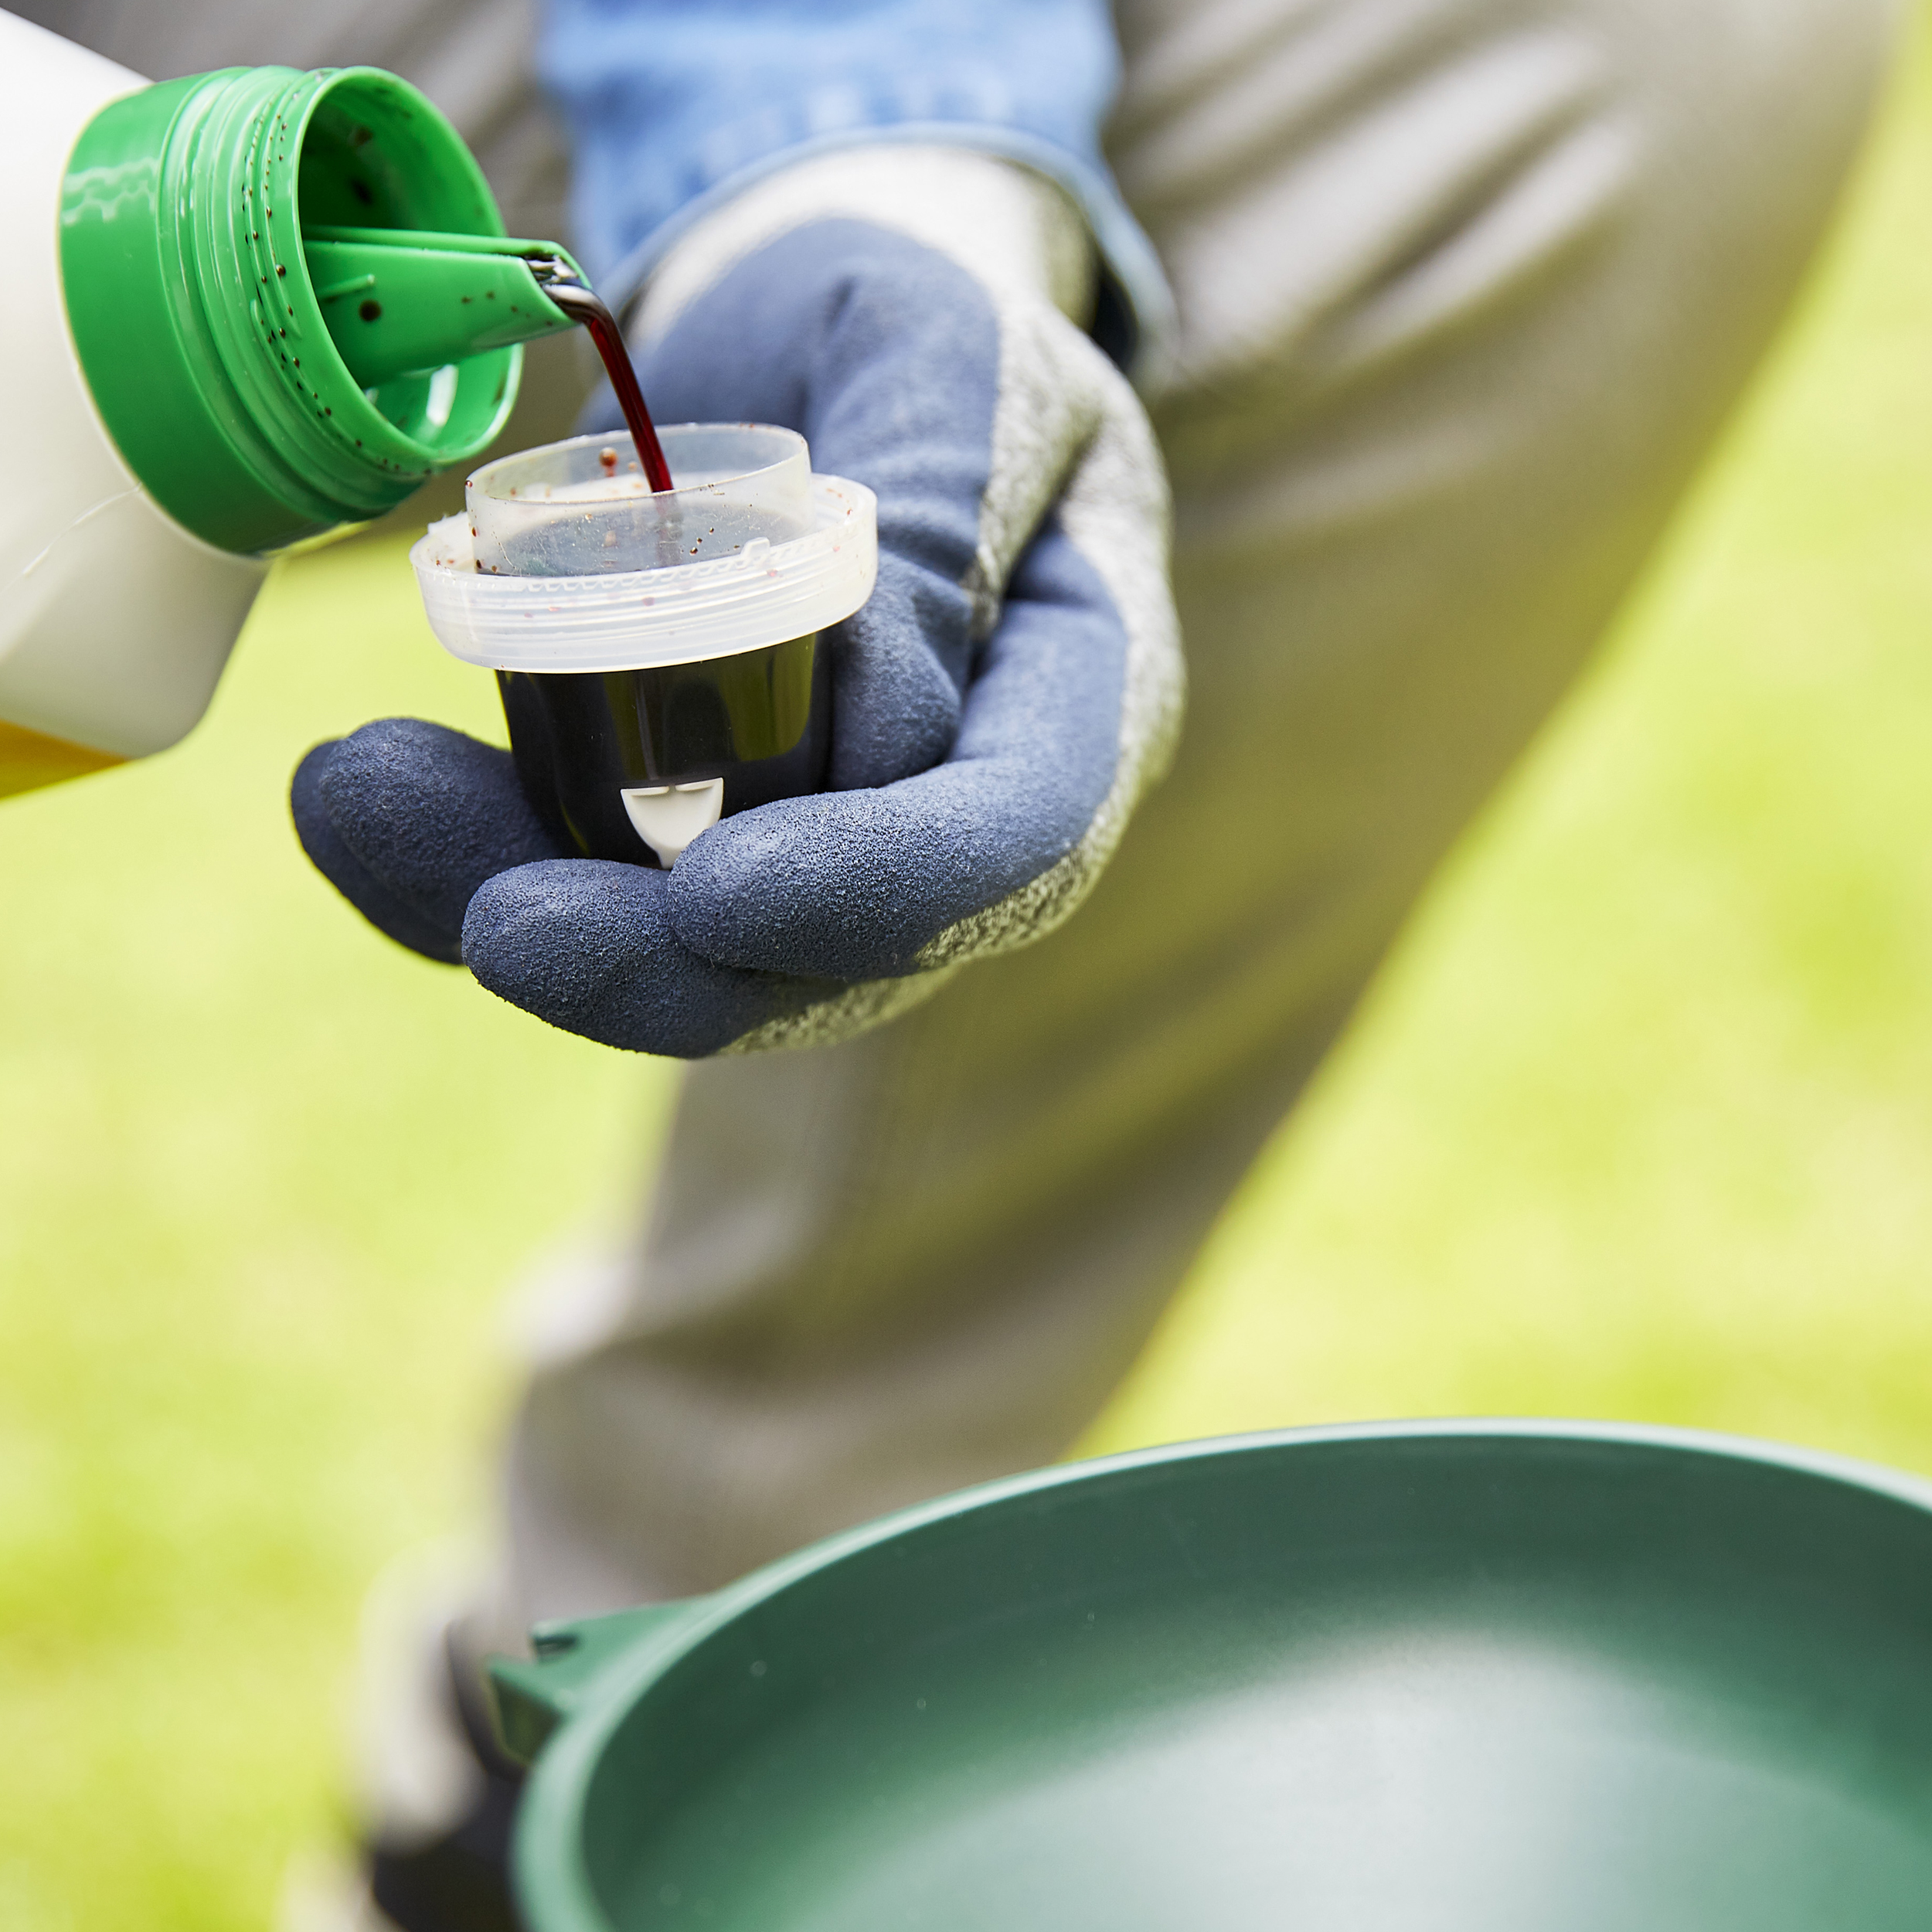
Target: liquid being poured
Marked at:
582, 304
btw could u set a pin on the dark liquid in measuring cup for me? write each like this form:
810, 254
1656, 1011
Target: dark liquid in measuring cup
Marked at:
758, 720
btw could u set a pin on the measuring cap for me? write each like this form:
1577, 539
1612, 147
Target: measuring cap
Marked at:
565, 561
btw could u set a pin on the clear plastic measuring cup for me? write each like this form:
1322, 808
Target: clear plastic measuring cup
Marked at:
582, 507
659, 656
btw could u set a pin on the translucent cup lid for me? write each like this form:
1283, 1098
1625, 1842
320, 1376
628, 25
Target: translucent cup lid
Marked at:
582, 507
728, 562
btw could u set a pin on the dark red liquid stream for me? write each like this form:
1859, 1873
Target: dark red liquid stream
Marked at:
581, 305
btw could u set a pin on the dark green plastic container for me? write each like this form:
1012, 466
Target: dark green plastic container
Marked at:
1481, 1677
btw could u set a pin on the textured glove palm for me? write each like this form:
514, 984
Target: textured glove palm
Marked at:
998, 706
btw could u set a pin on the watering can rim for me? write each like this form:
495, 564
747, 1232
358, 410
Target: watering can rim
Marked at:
589, 1673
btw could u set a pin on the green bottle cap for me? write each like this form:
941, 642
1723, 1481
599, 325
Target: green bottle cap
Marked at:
291, 296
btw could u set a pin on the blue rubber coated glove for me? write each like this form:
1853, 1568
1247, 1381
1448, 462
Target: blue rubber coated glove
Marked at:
999, 705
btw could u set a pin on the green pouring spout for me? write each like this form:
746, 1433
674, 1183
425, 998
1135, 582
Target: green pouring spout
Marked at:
404, 302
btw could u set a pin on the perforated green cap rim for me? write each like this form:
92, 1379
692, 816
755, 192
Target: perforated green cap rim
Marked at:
197, 321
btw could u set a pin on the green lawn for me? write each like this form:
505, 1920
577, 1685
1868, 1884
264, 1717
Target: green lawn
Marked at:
1638, 1124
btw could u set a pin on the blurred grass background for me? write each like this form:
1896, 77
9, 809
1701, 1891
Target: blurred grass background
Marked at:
1639, 1122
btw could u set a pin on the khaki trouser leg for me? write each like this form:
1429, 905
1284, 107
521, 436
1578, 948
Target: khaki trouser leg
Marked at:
1467, 286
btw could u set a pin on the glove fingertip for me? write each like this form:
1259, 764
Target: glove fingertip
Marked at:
587, 946
570, 940
430, 812
838, 884
383, 909
305, 803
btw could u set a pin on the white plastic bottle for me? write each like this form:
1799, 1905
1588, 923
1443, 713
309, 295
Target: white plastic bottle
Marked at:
115, 621
179, 408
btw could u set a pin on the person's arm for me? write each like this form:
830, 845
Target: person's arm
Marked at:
912, 306
673, 109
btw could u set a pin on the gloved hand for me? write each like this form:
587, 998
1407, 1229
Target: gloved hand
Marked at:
999, 705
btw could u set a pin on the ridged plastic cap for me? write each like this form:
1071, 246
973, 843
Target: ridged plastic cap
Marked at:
623, 620
200, 328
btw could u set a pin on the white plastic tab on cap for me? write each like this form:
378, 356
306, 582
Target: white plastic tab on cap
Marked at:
669, 817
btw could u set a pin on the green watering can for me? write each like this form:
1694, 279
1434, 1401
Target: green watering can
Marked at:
1460, 1677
